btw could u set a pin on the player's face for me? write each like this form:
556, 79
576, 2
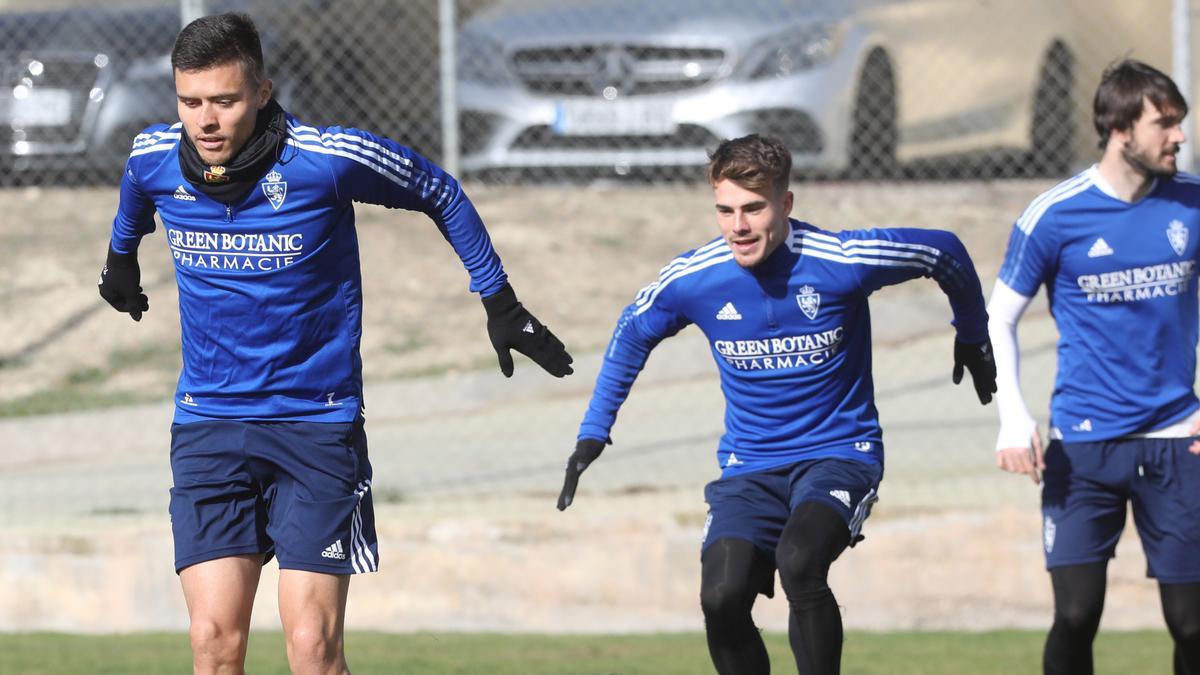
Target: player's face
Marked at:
219, 107
753, 223
1151, 145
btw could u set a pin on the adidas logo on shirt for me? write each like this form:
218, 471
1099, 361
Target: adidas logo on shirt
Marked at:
334, 551
729, 313
1099, 249
842, 496
733, 460
181, 193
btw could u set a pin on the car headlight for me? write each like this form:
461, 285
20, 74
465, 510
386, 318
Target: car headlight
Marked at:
481, 59
788, 53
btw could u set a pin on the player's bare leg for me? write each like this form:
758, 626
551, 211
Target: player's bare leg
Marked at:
220, 597
312, 607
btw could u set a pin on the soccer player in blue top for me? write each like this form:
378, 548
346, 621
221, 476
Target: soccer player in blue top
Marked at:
268, 453
1116, 248
784, 307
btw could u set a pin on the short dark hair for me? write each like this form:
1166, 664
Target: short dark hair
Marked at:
1123, 88
219, 39
753, 162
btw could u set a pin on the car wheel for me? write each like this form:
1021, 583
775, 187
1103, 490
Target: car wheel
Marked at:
1052, 128
873, 131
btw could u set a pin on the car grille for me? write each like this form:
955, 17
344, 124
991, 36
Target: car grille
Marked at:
74, 74
544, 138
474, 130
615, 69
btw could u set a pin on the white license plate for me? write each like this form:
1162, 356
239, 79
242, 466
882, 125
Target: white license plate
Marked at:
624, 118
40, 108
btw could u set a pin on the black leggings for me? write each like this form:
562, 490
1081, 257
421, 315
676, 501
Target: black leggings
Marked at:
1181, 609
733, 572
1078, 604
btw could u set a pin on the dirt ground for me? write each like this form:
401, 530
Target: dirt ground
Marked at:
467, 463
576, 255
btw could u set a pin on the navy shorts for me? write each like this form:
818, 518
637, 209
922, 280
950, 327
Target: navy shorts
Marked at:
1086, 487
755, 506
298, 491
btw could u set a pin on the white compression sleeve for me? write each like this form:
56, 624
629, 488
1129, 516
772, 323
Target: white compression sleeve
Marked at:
1004, 310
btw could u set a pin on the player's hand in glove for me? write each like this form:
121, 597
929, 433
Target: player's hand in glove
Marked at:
586, 452
120, 284
977, 358
511, 326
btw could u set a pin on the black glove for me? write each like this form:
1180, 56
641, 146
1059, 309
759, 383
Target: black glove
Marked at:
586, 452
978, 359
120, 284
511, 326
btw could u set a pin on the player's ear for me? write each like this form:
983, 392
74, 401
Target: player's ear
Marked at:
1118, 137
264, 93
788, 200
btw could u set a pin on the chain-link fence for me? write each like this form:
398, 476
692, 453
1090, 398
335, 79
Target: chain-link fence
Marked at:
556, 90
547, 96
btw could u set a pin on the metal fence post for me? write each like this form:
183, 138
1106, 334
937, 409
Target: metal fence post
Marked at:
190, 10
446, 41
1181, 53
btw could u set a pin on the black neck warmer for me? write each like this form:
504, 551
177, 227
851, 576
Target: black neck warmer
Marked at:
229, 184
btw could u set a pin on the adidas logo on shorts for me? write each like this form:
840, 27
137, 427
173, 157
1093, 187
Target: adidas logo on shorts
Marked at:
334, 551
842, 496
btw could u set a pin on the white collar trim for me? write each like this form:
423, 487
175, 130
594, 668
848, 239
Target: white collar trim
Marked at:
1104, 186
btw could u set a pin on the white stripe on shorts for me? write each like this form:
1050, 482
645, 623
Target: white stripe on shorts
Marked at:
861, 512
361, 558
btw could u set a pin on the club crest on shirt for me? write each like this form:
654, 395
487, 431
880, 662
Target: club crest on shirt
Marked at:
809, 301
215, 174
1177, 234
275, 188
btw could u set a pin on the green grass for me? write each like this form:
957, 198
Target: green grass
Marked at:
900, 653
158, 357
410, 340
82, 388
68, 398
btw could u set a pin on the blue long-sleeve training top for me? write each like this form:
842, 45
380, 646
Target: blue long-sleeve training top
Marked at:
791, 337
270, 290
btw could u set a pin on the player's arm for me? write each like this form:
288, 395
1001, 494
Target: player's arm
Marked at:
1018, 447
378, 170
640, 328
1030, 260
889, 256
121, 277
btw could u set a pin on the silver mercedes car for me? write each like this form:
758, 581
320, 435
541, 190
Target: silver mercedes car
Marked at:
850, 85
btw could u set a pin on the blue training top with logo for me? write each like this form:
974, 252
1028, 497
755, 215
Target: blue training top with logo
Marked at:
270, 290
791, 337
1120, 279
